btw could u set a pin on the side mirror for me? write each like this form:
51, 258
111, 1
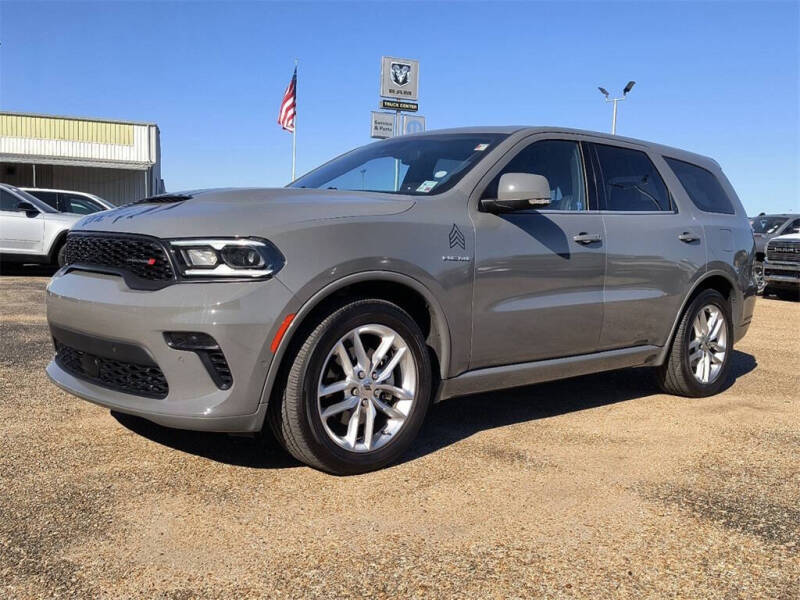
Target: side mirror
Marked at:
519, 191
28, 208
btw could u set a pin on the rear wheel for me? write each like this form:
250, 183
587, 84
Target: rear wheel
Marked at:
357, 391
699, 358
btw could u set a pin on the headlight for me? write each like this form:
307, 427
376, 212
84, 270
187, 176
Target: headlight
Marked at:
226, 258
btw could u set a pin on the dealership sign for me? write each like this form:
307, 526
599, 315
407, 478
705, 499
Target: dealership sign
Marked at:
382, 125
395, 105
399, 78
413, 124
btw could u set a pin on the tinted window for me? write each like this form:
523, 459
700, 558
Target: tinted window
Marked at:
79, 204
8, 201
701, 186
794, 227
767, 225
630, 180
559, 161
49, 198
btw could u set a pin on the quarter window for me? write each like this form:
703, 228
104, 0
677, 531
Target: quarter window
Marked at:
79, 204
702, 187
631, 181
558, 160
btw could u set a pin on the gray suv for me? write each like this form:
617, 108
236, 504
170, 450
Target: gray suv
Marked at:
405, 272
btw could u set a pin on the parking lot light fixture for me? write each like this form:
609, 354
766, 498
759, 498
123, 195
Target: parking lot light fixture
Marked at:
625, 93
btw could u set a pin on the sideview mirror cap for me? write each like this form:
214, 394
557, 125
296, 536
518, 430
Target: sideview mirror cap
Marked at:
519, 191
524, 186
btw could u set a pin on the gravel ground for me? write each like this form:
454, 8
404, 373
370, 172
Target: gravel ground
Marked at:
599, 486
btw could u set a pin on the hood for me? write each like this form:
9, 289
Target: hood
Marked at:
238, 212
789, 237
63, 217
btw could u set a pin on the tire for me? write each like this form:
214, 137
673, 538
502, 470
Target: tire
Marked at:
326, 443
61, 255
676, 376
758, 276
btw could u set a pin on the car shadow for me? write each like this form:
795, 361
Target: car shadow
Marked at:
19, 270
457, 419
447, 422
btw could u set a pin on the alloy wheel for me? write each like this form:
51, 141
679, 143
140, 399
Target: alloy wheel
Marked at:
367, 388
708, 344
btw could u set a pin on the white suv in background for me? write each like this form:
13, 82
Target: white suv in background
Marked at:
30, 230
69, 201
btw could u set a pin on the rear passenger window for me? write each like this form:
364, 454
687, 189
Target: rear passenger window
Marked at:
49, 198
631, 181
701, 186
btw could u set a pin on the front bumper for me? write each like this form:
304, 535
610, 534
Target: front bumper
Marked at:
782, 274
241, 316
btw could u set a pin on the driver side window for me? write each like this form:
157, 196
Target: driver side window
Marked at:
560, 162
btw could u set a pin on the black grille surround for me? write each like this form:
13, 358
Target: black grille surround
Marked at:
216, 365
143, 261
783, 251
127, 377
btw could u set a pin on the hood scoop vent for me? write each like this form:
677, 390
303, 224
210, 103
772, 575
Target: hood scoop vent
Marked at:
164, 199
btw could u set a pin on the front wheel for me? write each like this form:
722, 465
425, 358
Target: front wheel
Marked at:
358, 390
698, 363
758, 276
61, 256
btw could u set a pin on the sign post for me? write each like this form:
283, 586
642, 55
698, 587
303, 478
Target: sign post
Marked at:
399, 91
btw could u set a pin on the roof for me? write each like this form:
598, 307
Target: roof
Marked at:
527, 129
73, 118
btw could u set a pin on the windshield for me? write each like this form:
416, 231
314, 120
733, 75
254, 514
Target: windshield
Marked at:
767, 224
418, 165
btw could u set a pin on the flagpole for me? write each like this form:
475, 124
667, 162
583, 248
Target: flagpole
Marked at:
294, 130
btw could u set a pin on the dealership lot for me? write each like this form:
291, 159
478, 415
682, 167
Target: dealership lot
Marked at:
598, 486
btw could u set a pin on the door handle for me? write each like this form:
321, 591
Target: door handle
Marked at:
688, 237
587, 238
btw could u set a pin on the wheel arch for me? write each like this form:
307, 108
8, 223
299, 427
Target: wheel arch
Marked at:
407, 292
712, 280
58, 240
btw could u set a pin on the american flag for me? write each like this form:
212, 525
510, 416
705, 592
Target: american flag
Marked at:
288, 105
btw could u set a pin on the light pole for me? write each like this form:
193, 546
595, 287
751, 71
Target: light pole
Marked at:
627, 89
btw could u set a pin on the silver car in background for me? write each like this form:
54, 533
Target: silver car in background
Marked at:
405, 272
70, 201
30, 230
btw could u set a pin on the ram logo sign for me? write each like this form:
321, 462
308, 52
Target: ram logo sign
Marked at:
399, 78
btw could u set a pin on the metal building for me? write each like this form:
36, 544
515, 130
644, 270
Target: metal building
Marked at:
116, 160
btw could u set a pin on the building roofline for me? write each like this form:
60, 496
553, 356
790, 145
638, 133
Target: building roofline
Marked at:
74, 118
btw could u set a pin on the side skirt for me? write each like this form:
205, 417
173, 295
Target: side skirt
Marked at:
508, 376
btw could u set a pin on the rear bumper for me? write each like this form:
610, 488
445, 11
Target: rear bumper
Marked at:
241, 317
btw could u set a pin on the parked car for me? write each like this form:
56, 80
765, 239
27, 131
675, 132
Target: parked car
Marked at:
407, 271
68, 201
782, 266
766, 227
30, 230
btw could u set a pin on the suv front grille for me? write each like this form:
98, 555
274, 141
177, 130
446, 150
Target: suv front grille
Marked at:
141, 256
131, 378
783, 251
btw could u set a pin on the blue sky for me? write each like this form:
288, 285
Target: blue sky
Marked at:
717, 78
